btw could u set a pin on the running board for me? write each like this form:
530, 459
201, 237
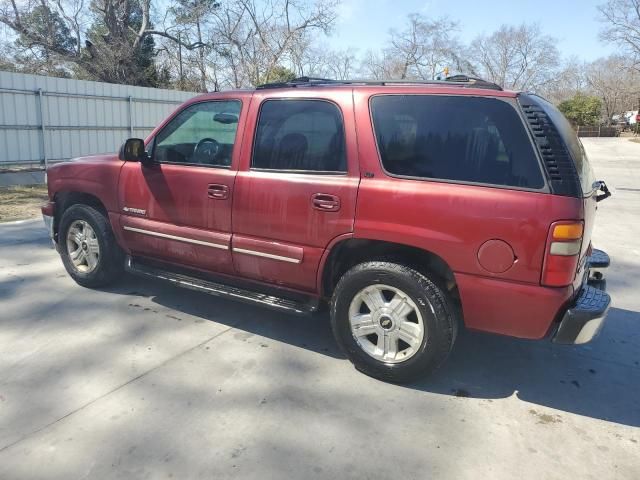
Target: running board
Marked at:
218, 289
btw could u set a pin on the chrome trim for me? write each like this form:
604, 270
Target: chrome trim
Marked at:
590, 330
175, 237
267, 255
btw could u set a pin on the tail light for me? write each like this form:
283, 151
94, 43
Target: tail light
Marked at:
563, 253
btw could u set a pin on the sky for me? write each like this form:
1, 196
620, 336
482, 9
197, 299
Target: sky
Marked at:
364, 24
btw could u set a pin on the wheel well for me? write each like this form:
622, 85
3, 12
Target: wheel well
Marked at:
64, 200
349, 253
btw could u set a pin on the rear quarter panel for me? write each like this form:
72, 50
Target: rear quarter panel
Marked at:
453, 221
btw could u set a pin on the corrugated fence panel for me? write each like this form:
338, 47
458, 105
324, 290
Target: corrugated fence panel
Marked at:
74, 117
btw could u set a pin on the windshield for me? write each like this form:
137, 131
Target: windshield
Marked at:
573, 143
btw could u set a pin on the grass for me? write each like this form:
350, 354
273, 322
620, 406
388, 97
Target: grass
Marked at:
21, 202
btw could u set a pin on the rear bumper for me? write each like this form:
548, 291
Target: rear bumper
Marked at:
583, 320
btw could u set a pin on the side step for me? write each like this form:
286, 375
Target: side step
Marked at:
136, 267
598, 259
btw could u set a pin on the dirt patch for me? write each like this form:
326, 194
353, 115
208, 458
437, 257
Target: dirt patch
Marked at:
545, 418
635, 140
21, 202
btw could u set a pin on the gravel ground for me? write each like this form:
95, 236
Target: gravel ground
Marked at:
21, 202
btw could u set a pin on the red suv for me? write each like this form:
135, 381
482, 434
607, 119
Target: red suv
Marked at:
411, 208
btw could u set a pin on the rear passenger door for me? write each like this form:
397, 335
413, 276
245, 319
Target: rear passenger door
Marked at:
296, 188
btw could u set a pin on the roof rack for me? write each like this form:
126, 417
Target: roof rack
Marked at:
456, 81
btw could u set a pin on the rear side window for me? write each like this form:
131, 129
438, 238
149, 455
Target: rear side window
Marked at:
299, 135
573, 143
465, 139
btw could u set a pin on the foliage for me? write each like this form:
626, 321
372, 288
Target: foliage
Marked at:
279, 74
43, 23
201, 45
109, 45
582, 110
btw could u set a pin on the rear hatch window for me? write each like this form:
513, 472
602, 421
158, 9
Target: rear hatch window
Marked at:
573, 143
455, 138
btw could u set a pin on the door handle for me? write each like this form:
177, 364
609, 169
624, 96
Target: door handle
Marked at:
218, 191
325, 202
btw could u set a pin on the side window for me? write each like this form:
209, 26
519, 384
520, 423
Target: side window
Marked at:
201, 134
299, 135
468, 139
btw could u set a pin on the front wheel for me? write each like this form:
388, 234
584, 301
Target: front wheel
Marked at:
393, 322
88, 248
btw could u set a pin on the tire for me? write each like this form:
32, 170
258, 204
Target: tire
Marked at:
376, 345
90, 231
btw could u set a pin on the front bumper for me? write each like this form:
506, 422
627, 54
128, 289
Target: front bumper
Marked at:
48, 213
583, 320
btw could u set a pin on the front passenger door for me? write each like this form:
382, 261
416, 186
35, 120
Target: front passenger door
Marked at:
179, 209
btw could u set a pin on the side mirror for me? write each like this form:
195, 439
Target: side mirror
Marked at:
133, 151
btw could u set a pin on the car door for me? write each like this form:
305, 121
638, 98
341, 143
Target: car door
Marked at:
178, 209
297, 186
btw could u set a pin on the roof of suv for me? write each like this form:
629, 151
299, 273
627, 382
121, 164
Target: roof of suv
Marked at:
455, 81
459, 84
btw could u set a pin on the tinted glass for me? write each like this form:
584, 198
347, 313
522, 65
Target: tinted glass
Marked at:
573, 143
202, 134
466, 139
299, 135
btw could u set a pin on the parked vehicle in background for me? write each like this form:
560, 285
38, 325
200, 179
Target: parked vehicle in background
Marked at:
410, 208
631, 118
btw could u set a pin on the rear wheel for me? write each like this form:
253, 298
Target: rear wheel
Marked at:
393, 322
88, 248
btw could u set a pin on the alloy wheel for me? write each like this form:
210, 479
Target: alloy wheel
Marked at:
386, 323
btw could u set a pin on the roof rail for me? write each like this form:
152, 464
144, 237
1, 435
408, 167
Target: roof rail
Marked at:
475, 81
299, 82
455, 81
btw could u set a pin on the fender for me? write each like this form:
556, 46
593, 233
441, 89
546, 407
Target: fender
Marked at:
97, 175
325, 256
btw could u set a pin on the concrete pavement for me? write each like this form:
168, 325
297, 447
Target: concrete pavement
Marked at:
148, 381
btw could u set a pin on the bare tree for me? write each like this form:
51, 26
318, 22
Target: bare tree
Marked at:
622, 26
421, 50
519, 58
380, 65
568, 82
189, 22
614, 81
340, 64
257, 38
321, 62
424, 47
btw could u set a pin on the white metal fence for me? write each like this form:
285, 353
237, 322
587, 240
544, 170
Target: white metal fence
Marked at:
47, 119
